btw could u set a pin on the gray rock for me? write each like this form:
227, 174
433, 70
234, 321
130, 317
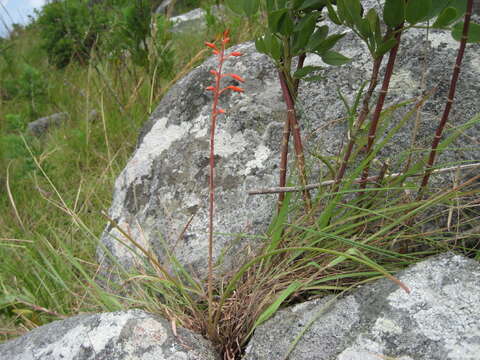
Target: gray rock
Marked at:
131, 334
193, 20
93, 116
39, 127
438, 320
166, 181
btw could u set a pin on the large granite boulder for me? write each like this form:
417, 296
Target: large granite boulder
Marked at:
123, 335
439, 319
165, 182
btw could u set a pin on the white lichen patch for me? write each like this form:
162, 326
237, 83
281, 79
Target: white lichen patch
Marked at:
84, 337
384, 325
227, 144
262, 153
403, 83
157, 140
443, 38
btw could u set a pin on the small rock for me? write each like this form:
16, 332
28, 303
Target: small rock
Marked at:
123, 335
193, 20
39, 127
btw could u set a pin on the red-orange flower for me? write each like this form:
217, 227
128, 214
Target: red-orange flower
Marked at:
236, 77
210, 88
210, 45
236, 53
234, 88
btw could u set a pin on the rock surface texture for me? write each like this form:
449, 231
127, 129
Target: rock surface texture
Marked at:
39, 127
166, 181
438, 320
126, 335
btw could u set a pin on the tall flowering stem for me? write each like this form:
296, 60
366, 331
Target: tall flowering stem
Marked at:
217, 91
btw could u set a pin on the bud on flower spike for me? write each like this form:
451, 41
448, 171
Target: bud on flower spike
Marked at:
210, 45
210, 88
234, 88
236, 53
235, 77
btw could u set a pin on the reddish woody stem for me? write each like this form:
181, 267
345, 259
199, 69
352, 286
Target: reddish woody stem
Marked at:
360, 120
286, 138
380, 102
297, 139
448, 105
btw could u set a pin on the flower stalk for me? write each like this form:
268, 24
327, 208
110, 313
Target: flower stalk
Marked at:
217, 91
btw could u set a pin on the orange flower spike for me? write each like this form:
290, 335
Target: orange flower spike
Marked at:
210, 45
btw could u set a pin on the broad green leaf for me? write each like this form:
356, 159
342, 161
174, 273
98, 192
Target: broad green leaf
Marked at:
459, 5
275, 47
280, 22
373, 19
446, 17
328, 43
276, 304
313, 5
306, 23
385, 47
235, 5
354, 9
437, 7
302, 33
334, 58
332, 14
260, 45
296, 4
305, 71
318, 36
394, 12
250, 7
343, 13
417, 10
473, 32
364, 28
313, 78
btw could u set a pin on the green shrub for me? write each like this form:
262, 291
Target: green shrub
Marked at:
71, 30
